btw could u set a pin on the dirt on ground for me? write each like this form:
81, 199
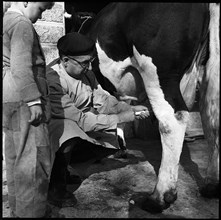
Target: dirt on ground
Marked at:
116, 187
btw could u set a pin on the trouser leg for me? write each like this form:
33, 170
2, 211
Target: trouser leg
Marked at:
59, 171
10, 156
31, 166
9, 124
58, 195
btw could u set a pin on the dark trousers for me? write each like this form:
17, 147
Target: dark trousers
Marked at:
73, 151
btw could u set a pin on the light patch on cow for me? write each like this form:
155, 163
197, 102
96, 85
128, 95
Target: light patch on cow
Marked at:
172, 126
122, 75
188, 86
210, 94
111, 69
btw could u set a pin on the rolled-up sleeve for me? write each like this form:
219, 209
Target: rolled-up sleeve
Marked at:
64, 108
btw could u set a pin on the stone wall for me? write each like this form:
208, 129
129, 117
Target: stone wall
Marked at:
50, 28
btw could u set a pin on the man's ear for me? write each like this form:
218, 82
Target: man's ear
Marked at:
65, 60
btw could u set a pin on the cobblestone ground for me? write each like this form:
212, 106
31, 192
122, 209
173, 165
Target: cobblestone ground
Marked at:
109, 187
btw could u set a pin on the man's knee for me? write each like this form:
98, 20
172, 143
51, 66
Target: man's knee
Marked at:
68, 145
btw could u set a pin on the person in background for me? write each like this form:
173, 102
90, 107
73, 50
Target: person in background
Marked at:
26, 111
84, 116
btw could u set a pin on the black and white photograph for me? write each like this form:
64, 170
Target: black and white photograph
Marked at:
110, 109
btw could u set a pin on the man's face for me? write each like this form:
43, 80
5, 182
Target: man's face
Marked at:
77, 66
34, 10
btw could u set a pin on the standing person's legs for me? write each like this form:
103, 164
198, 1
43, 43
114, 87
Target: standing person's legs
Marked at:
9, 150
32, 164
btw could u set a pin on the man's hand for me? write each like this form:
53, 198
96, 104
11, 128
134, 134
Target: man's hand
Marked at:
141, 112
36, 115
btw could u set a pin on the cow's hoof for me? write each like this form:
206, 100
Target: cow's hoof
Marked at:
152, 205
210, 190
170, 196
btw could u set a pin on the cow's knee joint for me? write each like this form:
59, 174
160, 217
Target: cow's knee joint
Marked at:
182, 116
164, 128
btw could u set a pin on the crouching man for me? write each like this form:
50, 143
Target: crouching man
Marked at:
84, 116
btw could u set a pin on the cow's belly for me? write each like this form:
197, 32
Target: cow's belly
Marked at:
125, 78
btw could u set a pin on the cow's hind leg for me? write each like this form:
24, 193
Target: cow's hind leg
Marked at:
172, 128
209, 109
209, 104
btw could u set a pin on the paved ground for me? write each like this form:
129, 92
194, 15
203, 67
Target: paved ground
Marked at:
108, 187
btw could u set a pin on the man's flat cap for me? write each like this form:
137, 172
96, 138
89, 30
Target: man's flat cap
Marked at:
75, 44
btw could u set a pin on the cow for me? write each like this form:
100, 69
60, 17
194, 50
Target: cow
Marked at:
148, 48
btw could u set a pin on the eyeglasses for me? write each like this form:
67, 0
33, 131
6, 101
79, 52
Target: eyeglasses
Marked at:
84, 64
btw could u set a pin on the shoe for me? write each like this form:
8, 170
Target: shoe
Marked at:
61, 199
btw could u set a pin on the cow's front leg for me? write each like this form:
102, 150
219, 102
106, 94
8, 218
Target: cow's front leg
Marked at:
172, 128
